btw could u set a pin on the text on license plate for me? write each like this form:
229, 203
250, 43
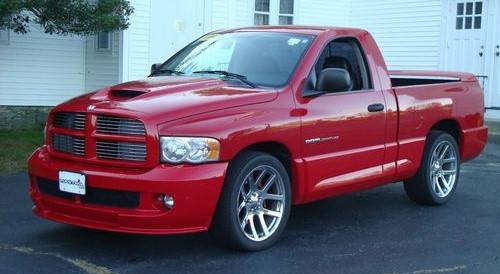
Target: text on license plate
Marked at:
72, 182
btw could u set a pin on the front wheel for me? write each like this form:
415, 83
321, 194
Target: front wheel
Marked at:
255, 202
437, 178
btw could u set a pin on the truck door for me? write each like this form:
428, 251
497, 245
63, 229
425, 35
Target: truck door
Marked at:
343, 132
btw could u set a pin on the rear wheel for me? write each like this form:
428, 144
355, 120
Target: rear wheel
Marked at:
437, 178
255, 202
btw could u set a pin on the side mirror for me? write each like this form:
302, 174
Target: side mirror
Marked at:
334, 80
154, 67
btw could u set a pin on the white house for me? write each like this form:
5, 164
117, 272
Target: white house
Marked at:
43, 70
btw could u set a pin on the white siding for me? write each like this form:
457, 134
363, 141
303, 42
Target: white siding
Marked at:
227, 14
238, 13
101, 67
407, 31
136, 50
243, 13
322, 12
219, 13
39, 69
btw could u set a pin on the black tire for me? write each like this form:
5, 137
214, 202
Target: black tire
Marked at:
225, 226
420, 188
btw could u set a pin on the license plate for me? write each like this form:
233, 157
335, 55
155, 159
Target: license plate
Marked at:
72, 182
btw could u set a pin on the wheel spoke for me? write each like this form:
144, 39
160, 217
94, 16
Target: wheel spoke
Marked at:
268, 184
241, 206
445, 184
437, 152
243, 223
443, 152
449, 172
251, 184
435, 157
275, 197
259, 179
449, 160
272, 213
438, 186
263, 224
252, 227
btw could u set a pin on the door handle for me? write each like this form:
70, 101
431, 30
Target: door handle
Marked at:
375, 107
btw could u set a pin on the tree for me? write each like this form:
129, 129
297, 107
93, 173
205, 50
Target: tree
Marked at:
80, 17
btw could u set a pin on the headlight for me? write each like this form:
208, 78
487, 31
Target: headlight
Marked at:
189, 149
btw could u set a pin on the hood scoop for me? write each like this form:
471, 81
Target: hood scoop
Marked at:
125, 94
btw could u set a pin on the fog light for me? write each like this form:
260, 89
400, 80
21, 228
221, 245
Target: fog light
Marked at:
168, 201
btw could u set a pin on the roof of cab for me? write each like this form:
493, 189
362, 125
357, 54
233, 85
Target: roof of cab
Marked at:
313, 30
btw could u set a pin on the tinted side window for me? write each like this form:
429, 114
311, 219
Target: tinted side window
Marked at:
346, 53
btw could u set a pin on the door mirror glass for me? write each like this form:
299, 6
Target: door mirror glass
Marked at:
334, 80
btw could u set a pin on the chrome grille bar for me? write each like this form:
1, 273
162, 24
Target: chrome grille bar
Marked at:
121, 150
120, 126
69, 120
68, 144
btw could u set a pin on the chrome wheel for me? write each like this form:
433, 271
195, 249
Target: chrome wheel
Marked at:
444, 168
261, 202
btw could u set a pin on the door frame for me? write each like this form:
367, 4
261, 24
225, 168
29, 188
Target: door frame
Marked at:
495, 64
491, 21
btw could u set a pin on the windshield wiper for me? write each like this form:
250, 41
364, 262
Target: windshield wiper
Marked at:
227, 74
171, 71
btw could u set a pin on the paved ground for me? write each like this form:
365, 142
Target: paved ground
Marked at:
378, 231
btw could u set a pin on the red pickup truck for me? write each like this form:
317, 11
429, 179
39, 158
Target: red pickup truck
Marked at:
240, 124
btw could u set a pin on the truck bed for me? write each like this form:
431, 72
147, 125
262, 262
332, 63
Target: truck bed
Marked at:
426, 98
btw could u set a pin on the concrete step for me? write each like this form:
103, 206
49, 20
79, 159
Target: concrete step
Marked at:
493, 125
493, 130
494, 138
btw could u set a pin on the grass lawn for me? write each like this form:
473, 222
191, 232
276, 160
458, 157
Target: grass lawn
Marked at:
15, 147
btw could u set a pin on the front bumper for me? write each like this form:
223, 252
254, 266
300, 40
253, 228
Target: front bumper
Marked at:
195, 189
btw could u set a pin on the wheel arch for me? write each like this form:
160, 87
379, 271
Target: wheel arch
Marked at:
450, 126
285, 155
276, 149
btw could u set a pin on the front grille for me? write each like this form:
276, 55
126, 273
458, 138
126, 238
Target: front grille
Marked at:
69, 120
121, 150
109, 135
98, 196
68, 144
121, 126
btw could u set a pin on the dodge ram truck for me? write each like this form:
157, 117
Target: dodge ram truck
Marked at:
241, 124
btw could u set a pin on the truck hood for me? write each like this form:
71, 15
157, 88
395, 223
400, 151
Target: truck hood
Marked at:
163, 99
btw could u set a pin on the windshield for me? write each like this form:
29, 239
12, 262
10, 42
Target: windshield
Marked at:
255, 58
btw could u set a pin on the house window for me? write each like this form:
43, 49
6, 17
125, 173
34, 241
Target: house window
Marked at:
4, 36
286, 12
273, 12
103, 41
469, 15
262, 11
